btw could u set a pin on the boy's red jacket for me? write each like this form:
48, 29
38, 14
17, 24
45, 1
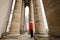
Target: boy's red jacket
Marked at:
31, 26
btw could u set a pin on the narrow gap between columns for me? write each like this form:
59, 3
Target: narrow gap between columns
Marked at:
27, 18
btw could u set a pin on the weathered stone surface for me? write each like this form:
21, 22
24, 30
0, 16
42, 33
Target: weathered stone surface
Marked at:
15, 26
52, 9
39, 24
24, 36
5, 6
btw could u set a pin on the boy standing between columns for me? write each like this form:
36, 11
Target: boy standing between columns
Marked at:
31, 29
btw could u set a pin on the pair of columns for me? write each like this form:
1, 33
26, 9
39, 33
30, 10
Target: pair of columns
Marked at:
36, 17
52, 9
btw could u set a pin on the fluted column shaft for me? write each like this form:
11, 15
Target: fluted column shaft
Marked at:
38, 17
22, 18
15, 25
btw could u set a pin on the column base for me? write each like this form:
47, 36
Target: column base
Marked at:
22, 32
41, 36
10, 35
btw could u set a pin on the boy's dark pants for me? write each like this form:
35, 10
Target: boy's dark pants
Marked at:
31, 32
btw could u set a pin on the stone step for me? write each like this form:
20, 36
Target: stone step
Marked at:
8, 39
10, 35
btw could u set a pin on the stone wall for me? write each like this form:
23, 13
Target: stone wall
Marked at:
52, 9
5, 6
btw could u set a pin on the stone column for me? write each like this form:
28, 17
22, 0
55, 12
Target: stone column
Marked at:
16, 21
40, 30
22, 18
5, 6
52, 9
31, 15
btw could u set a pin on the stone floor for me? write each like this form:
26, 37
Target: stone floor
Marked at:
24, 36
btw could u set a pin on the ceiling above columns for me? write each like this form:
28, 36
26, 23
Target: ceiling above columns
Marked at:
27, 2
